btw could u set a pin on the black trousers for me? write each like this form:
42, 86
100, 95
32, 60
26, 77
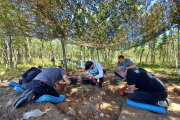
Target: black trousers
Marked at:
41, 88
148, 97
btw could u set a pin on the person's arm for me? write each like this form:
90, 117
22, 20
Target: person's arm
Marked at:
132, 66
130, 89
90, 74
57, 83
66, 79
100, 75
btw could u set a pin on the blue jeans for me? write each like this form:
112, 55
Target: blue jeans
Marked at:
148, 97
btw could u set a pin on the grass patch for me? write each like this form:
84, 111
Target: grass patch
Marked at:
168, 69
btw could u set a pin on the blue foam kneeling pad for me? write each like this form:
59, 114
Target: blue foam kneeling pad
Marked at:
18, 89
51, 98
147, 106
12, 83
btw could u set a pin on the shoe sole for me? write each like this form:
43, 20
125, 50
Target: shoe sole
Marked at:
25, 99
161, 104
23, 95
168, 101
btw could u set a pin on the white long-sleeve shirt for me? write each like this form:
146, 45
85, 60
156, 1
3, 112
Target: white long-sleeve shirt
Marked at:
97, 70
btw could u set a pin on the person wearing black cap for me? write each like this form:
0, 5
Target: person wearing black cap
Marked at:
150, 89
95, 70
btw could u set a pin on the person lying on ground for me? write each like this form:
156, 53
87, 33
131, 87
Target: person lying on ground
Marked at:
29, 75
43, 84
127, 63
150, 89
95, 70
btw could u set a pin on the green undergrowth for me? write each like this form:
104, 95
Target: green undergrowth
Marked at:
169, 70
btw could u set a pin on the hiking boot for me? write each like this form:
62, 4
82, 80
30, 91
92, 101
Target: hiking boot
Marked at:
23, 95
162, 104
168, 101
27, 99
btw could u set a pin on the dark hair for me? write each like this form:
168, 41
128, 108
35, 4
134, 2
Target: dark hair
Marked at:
39, 67
60, 66
88, 65
121, 56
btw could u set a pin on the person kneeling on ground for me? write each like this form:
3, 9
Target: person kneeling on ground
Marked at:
26, 73
29, 75
42, 84
95, 70
127, 63
150, 89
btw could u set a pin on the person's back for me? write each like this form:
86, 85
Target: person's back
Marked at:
32, 74
51, 75
143, 80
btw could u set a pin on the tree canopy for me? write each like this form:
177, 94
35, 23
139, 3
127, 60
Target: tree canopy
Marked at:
94, 23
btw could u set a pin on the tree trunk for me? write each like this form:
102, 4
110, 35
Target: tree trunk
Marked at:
52, 53
178, 46
15, 57
148, 53
141, 54
167, 52
29, 51
3, 52
6, 51
160, 51
154, 46
84, 53
98, 54
81, 53
10, 53
164, 55
42, 55
64, 53
18, 54
170, 53
26, 53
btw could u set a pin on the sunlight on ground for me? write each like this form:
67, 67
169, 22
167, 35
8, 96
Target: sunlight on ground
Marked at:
9, 103
47, 110
175, 107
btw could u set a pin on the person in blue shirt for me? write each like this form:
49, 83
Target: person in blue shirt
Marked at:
95, 70
127, 63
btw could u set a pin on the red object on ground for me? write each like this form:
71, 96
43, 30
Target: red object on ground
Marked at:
104, 66
92, 78
63, 84
121, 92
166, 78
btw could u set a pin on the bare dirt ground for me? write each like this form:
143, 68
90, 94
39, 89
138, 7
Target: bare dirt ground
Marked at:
88, 102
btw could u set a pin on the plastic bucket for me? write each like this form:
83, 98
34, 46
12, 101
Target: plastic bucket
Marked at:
73, 80
85, 81
118, 81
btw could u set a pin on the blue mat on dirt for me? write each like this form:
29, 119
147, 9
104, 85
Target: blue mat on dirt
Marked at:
51, 98
18, 88
147, 107
12, 83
